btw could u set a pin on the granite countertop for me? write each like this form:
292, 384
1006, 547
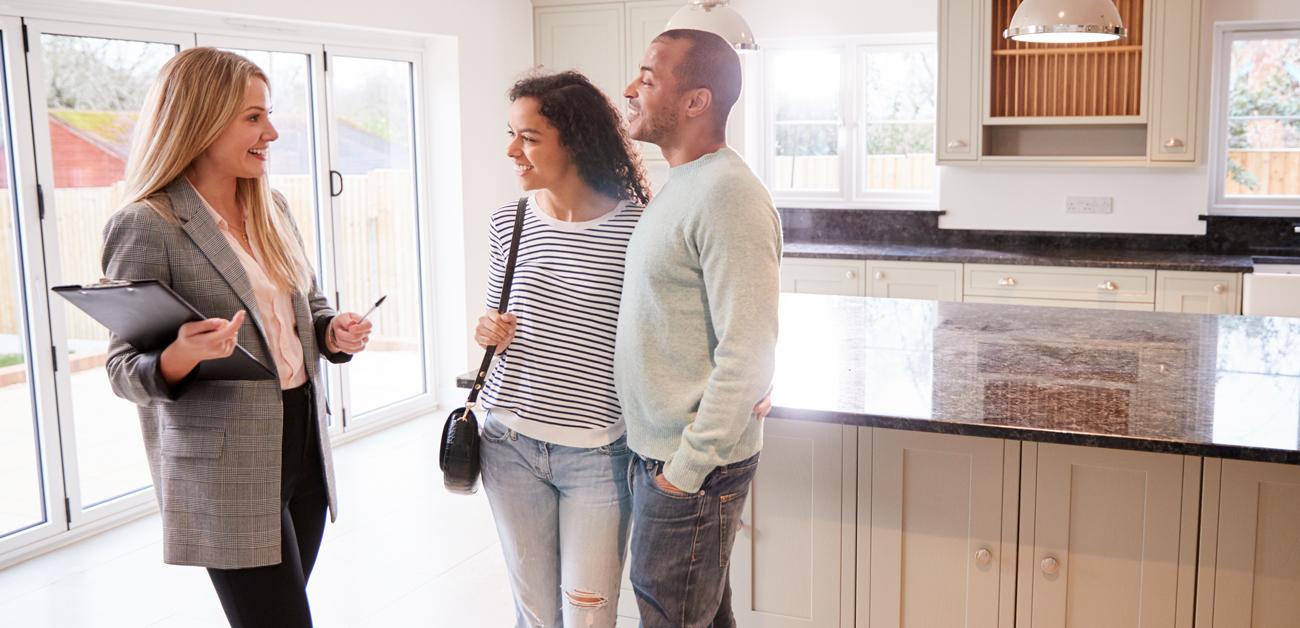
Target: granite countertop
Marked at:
1158, 260
1219, 386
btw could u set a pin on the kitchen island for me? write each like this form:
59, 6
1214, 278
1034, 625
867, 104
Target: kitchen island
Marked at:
955, 464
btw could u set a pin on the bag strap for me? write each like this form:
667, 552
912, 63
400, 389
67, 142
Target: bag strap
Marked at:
503, 302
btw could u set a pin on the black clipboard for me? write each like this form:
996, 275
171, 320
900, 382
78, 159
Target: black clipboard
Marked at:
147, 314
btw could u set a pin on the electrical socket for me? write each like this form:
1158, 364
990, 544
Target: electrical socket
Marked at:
1089, 205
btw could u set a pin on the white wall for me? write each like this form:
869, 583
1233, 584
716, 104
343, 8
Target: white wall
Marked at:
1147, 200
493, 46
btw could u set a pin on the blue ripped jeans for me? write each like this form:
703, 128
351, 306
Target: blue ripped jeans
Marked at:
681, 545
562, 514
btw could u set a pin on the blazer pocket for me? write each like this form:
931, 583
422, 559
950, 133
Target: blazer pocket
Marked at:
193, 442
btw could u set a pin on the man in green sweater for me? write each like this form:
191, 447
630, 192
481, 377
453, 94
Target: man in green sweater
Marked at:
696, 333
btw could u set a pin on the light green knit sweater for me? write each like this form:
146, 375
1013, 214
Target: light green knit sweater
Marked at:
698, 321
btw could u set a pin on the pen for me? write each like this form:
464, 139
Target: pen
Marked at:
373, 308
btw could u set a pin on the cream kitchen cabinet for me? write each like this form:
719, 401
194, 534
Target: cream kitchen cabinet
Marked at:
588, 38
937, 522
1198, 292
1132, 102
1250, 545
914, 280
792, 563
842, 277
1107, 538
1117, 288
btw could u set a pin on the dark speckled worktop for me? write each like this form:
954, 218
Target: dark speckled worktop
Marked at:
1228, 245
1158, 260
1220, 386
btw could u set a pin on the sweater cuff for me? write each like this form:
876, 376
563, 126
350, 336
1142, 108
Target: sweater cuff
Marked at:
687, 475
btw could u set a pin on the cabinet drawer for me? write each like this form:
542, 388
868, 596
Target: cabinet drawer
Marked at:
823, 276
1198, 292
914, 280
1105, 285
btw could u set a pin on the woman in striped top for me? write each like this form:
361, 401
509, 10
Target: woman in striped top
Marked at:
554, 457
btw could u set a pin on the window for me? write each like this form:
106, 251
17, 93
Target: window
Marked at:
1256, 129
853, 124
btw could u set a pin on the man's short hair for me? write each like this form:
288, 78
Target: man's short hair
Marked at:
710, 63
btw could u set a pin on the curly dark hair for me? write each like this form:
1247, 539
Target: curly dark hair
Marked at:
591, 130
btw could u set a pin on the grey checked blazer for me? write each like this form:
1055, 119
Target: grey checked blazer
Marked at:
213, 446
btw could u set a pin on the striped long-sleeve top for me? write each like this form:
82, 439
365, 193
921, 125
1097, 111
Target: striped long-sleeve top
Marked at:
555, 382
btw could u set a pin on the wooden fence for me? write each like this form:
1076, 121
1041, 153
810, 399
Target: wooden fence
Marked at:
1275, 172
884, 172
376, 244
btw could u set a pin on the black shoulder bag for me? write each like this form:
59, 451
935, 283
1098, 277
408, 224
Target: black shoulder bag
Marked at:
458, 454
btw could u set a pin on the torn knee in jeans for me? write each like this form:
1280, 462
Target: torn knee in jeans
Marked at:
579, 598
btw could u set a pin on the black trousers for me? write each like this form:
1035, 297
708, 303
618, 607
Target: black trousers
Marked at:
276, 595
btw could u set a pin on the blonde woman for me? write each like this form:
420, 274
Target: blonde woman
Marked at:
242, 469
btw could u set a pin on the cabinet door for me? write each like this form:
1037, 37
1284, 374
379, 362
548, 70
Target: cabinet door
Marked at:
589, 39
823, 276
957, 135
1174, 79
1107, 538
792, 565
645, 20
935, 531
1198, 293
1255, 551
914, 280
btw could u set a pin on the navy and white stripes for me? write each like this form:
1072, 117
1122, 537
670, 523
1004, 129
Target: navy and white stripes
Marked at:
555, 382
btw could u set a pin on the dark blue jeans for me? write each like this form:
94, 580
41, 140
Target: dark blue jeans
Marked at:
681, 545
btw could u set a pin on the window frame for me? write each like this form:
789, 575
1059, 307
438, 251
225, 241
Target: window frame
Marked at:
1226, 34
852, 192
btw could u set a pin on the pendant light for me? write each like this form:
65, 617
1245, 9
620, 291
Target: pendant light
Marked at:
716, 17
1065, 22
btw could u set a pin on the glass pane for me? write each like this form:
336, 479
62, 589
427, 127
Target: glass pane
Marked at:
94, 91
292, 157
806, 85
898, 114
900, 156
1264, 118
807, 157
376, 240
21, 497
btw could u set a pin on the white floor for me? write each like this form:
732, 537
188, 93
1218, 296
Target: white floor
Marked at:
403, 553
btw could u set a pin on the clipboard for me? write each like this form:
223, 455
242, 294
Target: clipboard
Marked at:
147, 314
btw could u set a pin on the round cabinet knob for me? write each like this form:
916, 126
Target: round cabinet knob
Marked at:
851, 275
1050, 566
1007, 281
880, 275
983, 557
1173, 142
1108, 285
955, 144
1220, 288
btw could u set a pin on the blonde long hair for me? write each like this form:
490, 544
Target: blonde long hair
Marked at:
197, 93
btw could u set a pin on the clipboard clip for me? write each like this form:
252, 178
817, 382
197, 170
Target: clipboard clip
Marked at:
105, 282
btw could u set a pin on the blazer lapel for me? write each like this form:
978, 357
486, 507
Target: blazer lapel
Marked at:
198, 224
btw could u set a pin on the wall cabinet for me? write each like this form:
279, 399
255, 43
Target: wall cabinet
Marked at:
590, 39
1128, 102
1250, 545
1107, 538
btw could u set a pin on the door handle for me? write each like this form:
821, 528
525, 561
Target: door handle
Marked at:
339, 175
